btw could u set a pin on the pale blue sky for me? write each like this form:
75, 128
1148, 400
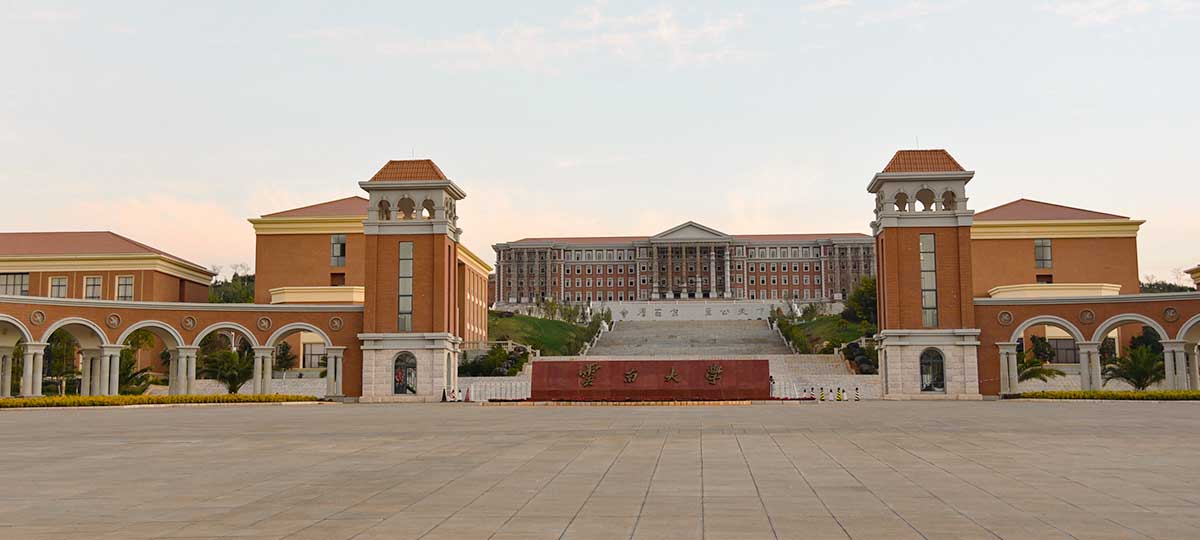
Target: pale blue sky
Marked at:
172, 123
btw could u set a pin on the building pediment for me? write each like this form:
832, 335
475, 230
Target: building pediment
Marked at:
690, 231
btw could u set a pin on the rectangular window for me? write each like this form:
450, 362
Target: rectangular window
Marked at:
1043, 258
313, 354
337, 250
92, 287
929, 310
125, 288
405, 294
58, 287
14, 284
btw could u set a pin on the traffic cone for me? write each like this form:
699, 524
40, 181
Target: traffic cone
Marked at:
467, 396
443, 395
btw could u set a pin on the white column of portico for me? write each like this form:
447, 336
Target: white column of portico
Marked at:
712, 271
113, 373
262, 370
173, 373
1193, 368
27, 372
1089, 366
85, 372
184, 370
1176, 365
6, 371
728, 291
1008, 368
333, 371
179, 374
33, 363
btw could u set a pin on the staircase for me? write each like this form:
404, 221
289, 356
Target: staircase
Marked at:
690, 338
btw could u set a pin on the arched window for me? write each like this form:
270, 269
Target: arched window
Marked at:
405, 377
385, 211
902, 202
933, 371
427, 209
405, 207
926, 197
949, 201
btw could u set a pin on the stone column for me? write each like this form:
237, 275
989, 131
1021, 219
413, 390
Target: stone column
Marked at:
37, 372
85, 373
262, 369
1008, 351
256, 378
671, 271
113, 374
186, 360
1169, 366
1176, 365
712, 272
728, 291
1193, 365
27, 372
6, 372
654, 273
333, 371
1089, 366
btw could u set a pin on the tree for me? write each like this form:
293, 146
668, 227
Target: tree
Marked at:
231, 368
1042, 349
60, 358
1148, 339
133, 381
862, 304
284, 358
1151, 284
1141, 368
239, 289
1030, 367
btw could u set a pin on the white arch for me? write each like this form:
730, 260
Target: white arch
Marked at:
1115, 320
1050, 320
20, 327
1187, 327
226, 326
179, 341
292, 327
76, 320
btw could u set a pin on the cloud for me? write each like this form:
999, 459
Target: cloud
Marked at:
825, 5
653, 36
1107, 12
906, 10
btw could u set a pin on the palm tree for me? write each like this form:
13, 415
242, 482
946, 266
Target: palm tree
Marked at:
1031, 367
1141, 368
133, 381
233, 369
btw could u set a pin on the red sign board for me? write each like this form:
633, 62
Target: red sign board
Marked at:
651, 380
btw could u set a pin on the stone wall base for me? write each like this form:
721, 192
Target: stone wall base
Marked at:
900, 363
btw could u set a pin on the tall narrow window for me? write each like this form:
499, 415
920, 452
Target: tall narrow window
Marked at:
14, 284
337, 250
58, 287
92, 287
404, 378
1042, 255
929, 300
125, 288
405, 307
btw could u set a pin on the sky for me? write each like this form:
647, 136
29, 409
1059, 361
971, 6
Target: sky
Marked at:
173, 123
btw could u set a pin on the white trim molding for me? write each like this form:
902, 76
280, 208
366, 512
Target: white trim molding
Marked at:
334, 294
182, 306
1055, 228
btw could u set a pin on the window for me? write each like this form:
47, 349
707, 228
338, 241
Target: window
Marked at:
933, 370
313, 354
405, 294
92, 287
14, 284
337, 250
1065, 351
58, 287
405, 378
929, 311
1042, 256
125, 288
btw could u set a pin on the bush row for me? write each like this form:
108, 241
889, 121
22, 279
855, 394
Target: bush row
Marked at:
1159, 395
111, 401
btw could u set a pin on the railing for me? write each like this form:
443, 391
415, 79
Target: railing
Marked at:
489, 388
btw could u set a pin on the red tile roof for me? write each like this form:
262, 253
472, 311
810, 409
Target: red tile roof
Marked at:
617, 240
1026, 209
584, 240
918, 161
798, 237
409, 169
350, 206
18, 244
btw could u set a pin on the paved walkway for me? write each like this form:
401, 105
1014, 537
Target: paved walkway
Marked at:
859, 470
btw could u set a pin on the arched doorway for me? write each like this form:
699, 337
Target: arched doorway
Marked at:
1046, 352
404, 374
303, 351
150, 349
933, 371
75, 357
13, 338
229, 354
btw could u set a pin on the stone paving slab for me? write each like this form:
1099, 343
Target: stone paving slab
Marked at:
921, 470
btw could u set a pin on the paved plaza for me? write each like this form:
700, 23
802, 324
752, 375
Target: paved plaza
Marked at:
855, 470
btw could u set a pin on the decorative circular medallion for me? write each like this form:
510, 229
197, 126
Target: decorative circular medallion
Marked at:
1171, 314
112, 320
336, 324
37, 317
189, 323
1005, 318
264, 323
1087, 316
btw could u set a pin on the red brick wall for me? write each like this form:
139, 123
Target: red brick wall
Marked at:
1075, 260
302, 260
898, 259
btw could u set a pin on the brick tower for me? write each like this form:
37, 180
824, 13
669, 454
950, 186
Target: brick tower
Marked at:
410, 319
928, 343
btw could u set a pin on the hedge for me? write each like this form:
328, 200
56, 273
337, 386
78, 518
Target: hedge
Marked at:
1151, 395
113, 401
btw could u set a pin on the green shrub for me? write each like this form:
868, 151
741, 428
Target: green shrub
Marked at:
110, 401
1157, 395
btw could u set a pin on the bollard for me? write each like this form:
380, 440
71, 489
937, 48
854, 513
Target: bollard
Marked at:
822, 393
857, 394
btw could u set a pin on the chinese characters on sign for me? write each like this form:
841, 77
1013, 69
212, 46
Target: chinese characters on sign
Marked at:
587, 374
673, 376
713, 375
631, 375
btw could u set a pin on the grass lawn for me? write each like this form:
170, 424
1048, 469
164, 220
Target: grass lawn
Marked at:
832, 328
551, 337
